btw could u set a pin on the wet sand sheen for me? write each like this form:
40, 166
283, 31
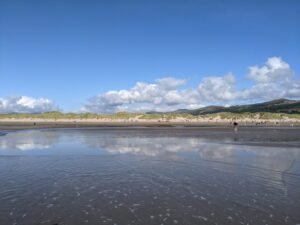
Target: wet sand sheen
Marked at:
150, 176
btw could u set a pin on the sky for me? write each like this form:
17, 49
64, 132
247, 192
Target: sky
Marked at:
126, 55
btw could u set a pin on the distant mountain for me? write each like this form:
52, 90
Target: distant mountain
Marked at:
274, 106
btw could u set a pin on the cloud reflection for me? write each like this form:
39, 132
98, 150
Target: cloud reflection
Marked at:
28, 140
275, 162
141, 143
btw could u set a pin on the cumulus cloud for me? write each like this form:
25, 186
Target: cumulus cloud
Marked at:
274, 69
274, 79
25, 104
164, 94
217, 89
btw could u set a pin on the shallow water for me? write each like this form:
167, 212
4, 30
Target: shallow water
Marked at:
150, 176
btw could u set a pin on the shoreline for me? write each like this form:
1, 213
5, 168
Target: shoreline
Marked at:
262, 136
19, 124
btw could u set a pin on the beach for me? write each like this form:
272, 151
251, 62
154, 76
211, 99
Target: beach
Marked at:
33, 123
150, 175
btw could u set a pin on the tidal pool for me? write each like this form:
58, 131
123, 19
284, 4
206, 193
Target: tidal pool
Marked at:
150, 176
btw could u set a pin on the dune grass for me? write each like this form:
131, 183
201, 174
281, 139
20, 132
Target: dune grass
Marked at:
144, 116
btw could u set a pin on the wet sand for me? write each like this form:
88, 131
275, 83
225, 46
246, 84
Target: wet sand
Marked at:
150, 175
18, 125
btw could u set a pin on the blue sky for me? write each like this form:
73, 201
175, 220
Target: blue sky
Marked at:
79, 54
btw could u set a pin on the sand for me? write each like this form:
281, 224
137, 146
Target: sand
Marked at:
12, 124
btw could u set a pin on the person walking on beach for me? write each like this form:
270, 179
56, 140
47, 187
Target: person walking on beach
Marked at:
235, 125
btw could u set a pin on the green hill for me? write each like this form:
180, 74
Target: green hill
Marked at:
274, 106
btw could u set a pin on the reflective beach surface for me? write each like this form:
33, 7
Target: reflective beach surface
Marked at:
150, 176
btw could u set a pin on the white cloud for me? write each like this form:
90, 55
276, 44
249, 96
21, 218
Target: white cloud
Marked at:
217, 89
275, 69
169, 83
272, 90
164, 95
273, 80
161, 95
25, 104
293, 89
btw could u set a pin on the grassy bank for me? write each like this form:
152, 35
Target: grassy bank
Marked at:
144, 116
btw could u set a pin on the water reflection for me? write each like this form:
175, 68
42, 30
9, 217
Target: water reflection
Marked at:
140, 176
28, 140
275, 161
145, 143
